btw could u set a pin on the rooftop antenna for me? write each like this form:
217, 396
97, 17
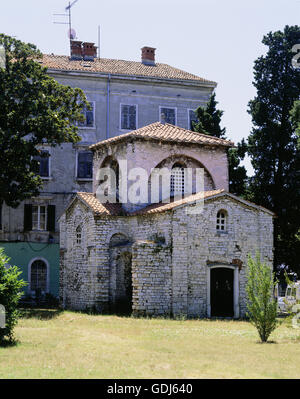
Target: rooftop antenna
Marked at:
71, 32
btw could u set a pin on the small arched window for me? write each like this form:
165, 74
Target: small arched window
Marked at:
221, 221
38, 276
78, 234
177, 184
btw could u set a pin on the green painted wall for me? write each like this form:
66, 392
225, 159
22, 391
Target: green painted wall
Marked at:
21, 253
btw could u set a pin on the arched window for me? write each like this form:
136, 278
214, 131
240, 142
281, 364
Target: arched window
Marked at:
39, 276
177, 188
221, 221
78, 234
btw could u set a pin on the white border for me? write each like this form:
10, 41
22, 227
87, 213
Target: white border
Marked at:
48, 274
136, 117
236, 284
167, 106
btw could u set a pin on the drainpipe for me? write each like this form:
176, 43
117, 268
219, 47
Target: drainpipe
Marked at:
107, 106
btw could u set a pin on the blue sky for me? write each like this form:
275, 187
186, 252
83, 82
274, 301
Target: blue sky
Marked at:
215, 39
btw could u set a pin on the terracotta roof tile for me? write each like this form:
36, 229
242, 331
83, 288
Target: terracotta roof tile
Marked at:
120, 67
98, 208
158, 208
167, 133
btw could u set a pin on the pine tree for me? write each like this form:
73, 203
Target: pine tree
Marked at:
272, 144
209, 122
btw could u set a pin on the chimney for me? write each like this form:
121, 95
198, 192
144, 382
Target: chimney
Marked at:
76, 50
148, 55
89, 51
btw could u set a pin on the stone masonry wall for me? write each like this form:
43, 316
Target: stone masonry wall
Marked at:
172, 254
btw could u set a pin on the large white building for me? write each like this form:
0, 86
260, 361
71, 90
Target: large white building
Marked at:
125, 95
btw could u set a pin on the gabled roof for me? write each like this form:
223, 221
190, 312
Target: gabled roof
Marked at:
100, 209
121, 67
166, 133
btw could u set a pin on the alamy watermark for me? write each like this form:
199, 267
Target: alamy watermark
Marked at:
2, 316
296, 58
135, 186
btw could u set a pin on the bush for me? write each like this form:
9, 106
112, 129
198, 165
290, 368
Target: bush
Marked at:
262, 306
10, 293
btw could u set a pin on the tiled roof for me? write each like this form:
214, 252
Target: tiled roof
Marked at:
167, 133
100, 209
158, 208
120, 67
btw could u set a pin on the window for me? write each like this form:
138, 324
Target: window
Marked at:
177, 181
43, 163
128, 117
85, 165
168, 115
78, 235
39, 217
38, 276
89, 116
192, 118
221, 221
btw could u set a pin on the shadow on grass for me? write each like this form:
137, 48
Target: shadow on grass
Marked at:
41, 314
8, 344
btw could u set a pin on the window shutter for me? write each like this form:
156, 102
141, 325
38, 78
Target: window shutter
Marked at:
27, 217
51, 218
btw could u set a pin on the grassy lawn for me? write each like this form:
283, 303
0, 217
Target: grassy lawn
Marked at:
56, 344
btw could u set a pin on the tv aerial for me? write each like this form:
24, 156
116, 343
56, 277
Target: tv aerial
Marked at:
71, 32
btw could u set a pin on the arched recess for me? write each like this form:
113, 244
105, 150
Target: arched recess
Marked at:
182, 161
111, 163
120, 274
38, 276
223, 291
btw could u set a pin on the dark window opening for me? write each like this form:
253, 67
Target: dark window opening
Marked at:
85, 165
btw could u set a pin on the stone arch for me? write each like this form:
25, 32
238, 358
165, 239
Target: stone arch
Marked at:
186, 162
120, 274
112, 163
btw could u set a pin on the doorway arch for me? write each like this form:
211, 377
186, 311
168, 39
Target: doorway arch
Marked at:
223, 291
120, 274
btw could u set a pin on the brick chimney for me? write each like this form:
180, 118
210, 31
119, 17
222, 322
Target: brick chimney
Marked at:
76, 50
148, 55
89, 51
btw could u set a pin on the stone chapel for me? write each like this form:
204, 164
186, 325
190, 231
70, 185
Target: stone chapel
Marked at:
162, 258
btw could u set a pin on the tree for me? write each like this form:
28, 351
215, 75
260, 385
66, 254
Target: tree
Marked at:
262, 306
35, 109
10, 293
209, 120
272, 144
295, 119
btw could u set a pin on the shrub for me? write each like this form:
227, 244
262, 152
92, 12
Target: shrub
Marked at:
262, 306
10, 293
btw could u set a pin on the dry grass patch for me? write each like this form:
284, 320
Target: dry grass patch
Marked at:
56, 344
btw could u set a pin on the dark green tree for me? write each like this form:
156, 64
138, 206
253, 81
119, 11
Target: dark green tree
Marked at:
10, 292
295, 119
209, 119
209, 122
34, 109
272, 144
